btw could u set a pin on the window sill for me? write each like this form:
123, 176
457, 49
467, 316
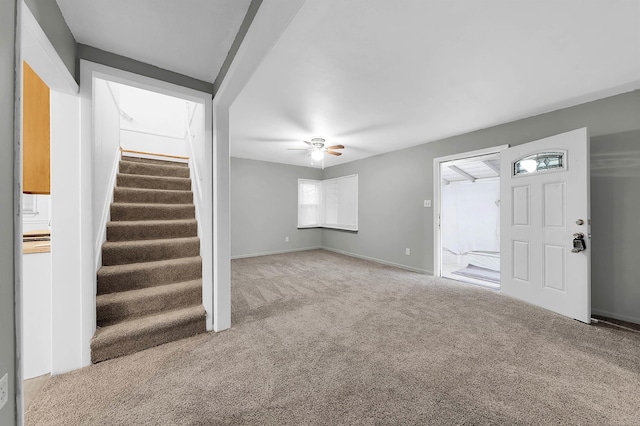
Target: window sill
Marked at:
334, 228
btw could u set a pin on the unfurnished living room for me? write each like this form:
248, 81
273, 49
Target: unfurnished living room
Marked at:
320, 212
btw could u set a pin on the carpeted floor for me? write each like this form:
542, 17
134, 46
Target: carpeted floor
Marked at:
319, 338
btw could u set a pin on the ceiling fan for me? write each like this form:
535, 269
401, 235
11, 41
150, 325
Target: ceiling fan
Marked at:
317, 149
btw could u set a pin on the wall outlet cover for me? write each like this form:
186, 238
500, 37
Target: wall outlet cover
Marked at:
427, 203
407, 252
286, 239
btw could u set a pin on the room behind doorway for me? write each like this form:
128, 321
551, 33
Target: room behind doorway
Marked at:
469, 212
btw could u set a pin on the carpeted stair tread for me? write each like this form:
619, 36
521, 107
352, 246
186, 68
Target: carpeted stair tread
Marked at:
152, 169
151, 229
146, 195
149, 291
164, 162
148, 274
117, 307
146, 332
153, 182
123, 252
150, 211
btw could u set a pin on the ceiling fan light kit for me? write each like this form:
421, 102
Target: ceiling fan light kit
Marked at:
317, 149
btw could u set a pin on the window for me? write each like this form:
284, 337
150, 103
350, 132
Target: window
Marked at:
309, 192
331, 203
542, 162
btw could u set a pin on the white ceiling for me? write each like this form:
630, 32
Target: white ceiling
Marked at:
381, 75
190, 37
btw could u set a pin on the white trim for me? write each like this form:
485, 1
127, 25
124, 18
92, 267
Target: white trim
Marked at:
90, 71
437, 194
269, 253
627, 318
106, 211
383, 262
39, 53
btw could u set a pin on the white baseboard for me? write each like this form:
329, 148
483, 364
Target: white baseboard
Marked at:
372, 259
383, 262
615, 316
269, 253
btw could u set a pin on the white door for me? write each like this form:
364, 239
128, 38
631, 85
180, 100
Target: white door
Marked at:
544, 194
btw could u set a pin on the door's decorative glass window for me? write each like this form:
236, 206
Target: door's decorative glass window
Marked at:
541, 162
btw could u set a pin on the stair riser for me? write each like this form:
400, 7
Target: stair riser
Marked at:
152, 161
136, 168
151, 232
120, 348
151, 253
151, 212
143, 278
130, 195
114, 313
152, 182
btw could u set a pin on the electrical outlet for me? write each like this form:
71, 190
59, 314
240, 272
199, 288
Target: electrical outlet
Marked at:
4, 390
427, 203
407, 251
286, 239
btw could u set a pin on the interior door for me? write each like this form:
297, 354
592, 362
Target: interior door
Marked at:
545, 209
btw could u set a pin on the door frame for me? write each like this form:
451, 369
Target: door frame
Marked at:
33, 46
437, 197
89, 71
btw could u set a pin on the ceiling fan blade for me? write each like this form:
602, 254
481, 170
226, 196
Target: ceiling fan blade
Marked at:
308, 143
336, 147
337, 154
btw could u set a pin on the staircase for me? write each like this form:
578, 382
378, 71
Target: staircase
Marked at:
150, 284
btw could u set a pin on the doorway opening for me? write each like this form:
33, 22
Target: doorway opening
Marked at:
468, 217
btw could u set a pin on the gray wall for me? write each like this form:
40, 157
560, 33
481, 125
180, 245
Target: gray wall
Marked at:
7, 313
264, 208
103, 57
393, 186
615, 202
48, 15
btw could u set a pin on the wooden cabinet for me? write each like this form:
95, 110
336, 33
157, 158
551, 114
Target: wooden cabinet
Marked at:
36, 163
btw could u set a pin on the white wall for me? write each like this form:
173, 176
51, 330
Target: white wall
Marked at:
40, 217
68, 256
470, 216
153, 122
36, 314
105, 152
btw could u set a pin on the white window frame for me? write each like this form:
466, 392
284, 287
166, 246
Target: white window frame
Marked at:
322, 205
318, 185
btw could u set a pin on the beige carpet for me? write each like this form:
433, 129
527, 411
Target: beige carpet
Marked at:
321, 339
150, 283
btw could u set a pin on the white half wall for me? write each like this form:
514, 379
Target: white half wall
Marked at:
154, 143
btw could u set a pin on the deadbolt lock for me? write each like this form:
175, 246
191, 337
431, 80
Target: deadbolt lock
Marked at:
578, 243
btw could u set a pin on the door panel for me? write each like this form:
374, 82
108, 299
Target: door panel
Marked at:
545, 194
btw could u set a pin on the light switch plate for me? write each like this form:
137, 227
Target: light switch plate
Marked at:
4, 390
